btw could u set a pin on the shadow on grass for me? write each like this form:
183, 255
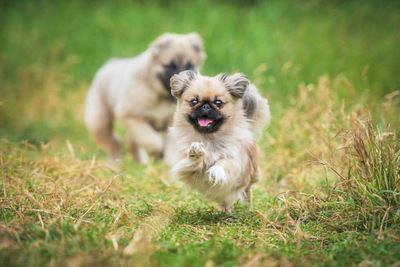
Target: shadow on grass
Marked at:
210, 216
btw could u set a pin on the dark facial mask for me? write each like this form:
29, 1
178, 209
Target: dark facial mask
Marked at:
206, 118
169, 70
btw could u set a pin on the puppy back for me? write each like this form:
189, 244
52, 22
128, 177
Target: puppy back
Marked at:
256, 109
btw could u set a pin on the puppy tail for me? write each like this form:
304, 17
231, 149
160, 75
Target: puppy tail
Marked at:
256, 109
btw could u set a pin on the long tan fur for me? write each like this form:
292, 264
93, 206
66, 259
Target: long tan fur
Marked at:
223, 165
130, 90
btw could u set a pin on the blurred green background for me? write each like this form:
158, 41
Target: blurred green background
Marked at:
50, 50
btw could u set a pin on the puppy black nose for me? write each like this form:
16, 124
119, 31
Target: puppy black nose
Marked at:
188, 66
206, 107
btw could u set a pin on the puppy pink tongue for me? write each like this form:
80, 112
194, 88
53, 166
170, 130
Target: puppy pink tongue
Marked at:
204, 122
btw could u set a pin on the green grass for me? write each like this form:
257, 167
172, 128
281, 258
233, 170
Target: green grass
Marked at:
330, 159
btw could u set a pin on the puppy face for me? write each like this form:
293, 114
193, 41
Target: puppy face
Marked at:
173, 53
208, 103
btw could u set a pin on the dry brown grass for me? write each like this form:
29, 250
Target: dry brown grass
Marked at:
306, 131
60, 209
51, 188
332, 162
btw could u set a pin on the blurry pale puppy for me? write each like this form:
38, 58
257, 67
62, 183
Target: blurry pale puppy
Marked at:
136, 91
214, 126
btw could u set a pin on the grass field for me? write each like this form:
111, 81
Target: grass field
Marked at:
330, 191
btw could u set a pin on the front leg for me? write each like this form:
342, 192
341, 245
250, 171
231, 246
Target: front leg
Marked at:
224, 172
196, 151
191, 164
161, 114
141, 135
225, 207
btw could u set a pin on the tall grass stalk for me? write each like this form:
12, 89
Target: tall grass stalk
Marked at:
372, 181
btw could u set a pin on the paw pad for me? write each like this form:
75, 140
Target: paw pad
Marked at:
196, 150
217, 175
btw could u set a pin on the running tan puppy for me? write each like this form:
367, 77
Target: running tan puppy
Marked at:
214, 127
136, 91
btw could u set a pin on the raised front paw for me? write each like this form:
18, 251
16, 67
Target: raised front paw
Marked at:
217, 175
196, 150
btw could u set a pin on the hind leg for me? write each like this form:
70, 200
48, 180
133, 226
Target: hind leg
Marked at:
248, 197
99, 122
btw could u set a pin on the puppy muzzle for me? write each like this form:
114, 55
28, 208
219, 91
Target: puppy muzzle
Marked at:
206, 119
170, 70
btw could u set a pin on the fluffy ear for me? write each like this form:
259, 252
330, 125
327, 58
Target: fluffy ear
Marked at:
196, 41
236, 83
197, 44
180, 82
160, 43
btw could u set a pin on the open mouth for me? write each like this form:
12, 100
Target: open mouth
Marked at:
205, 122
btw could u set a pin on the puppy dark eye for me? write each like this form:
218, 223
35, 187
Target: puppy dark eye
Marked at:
218, 103
193, 102
172, 65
